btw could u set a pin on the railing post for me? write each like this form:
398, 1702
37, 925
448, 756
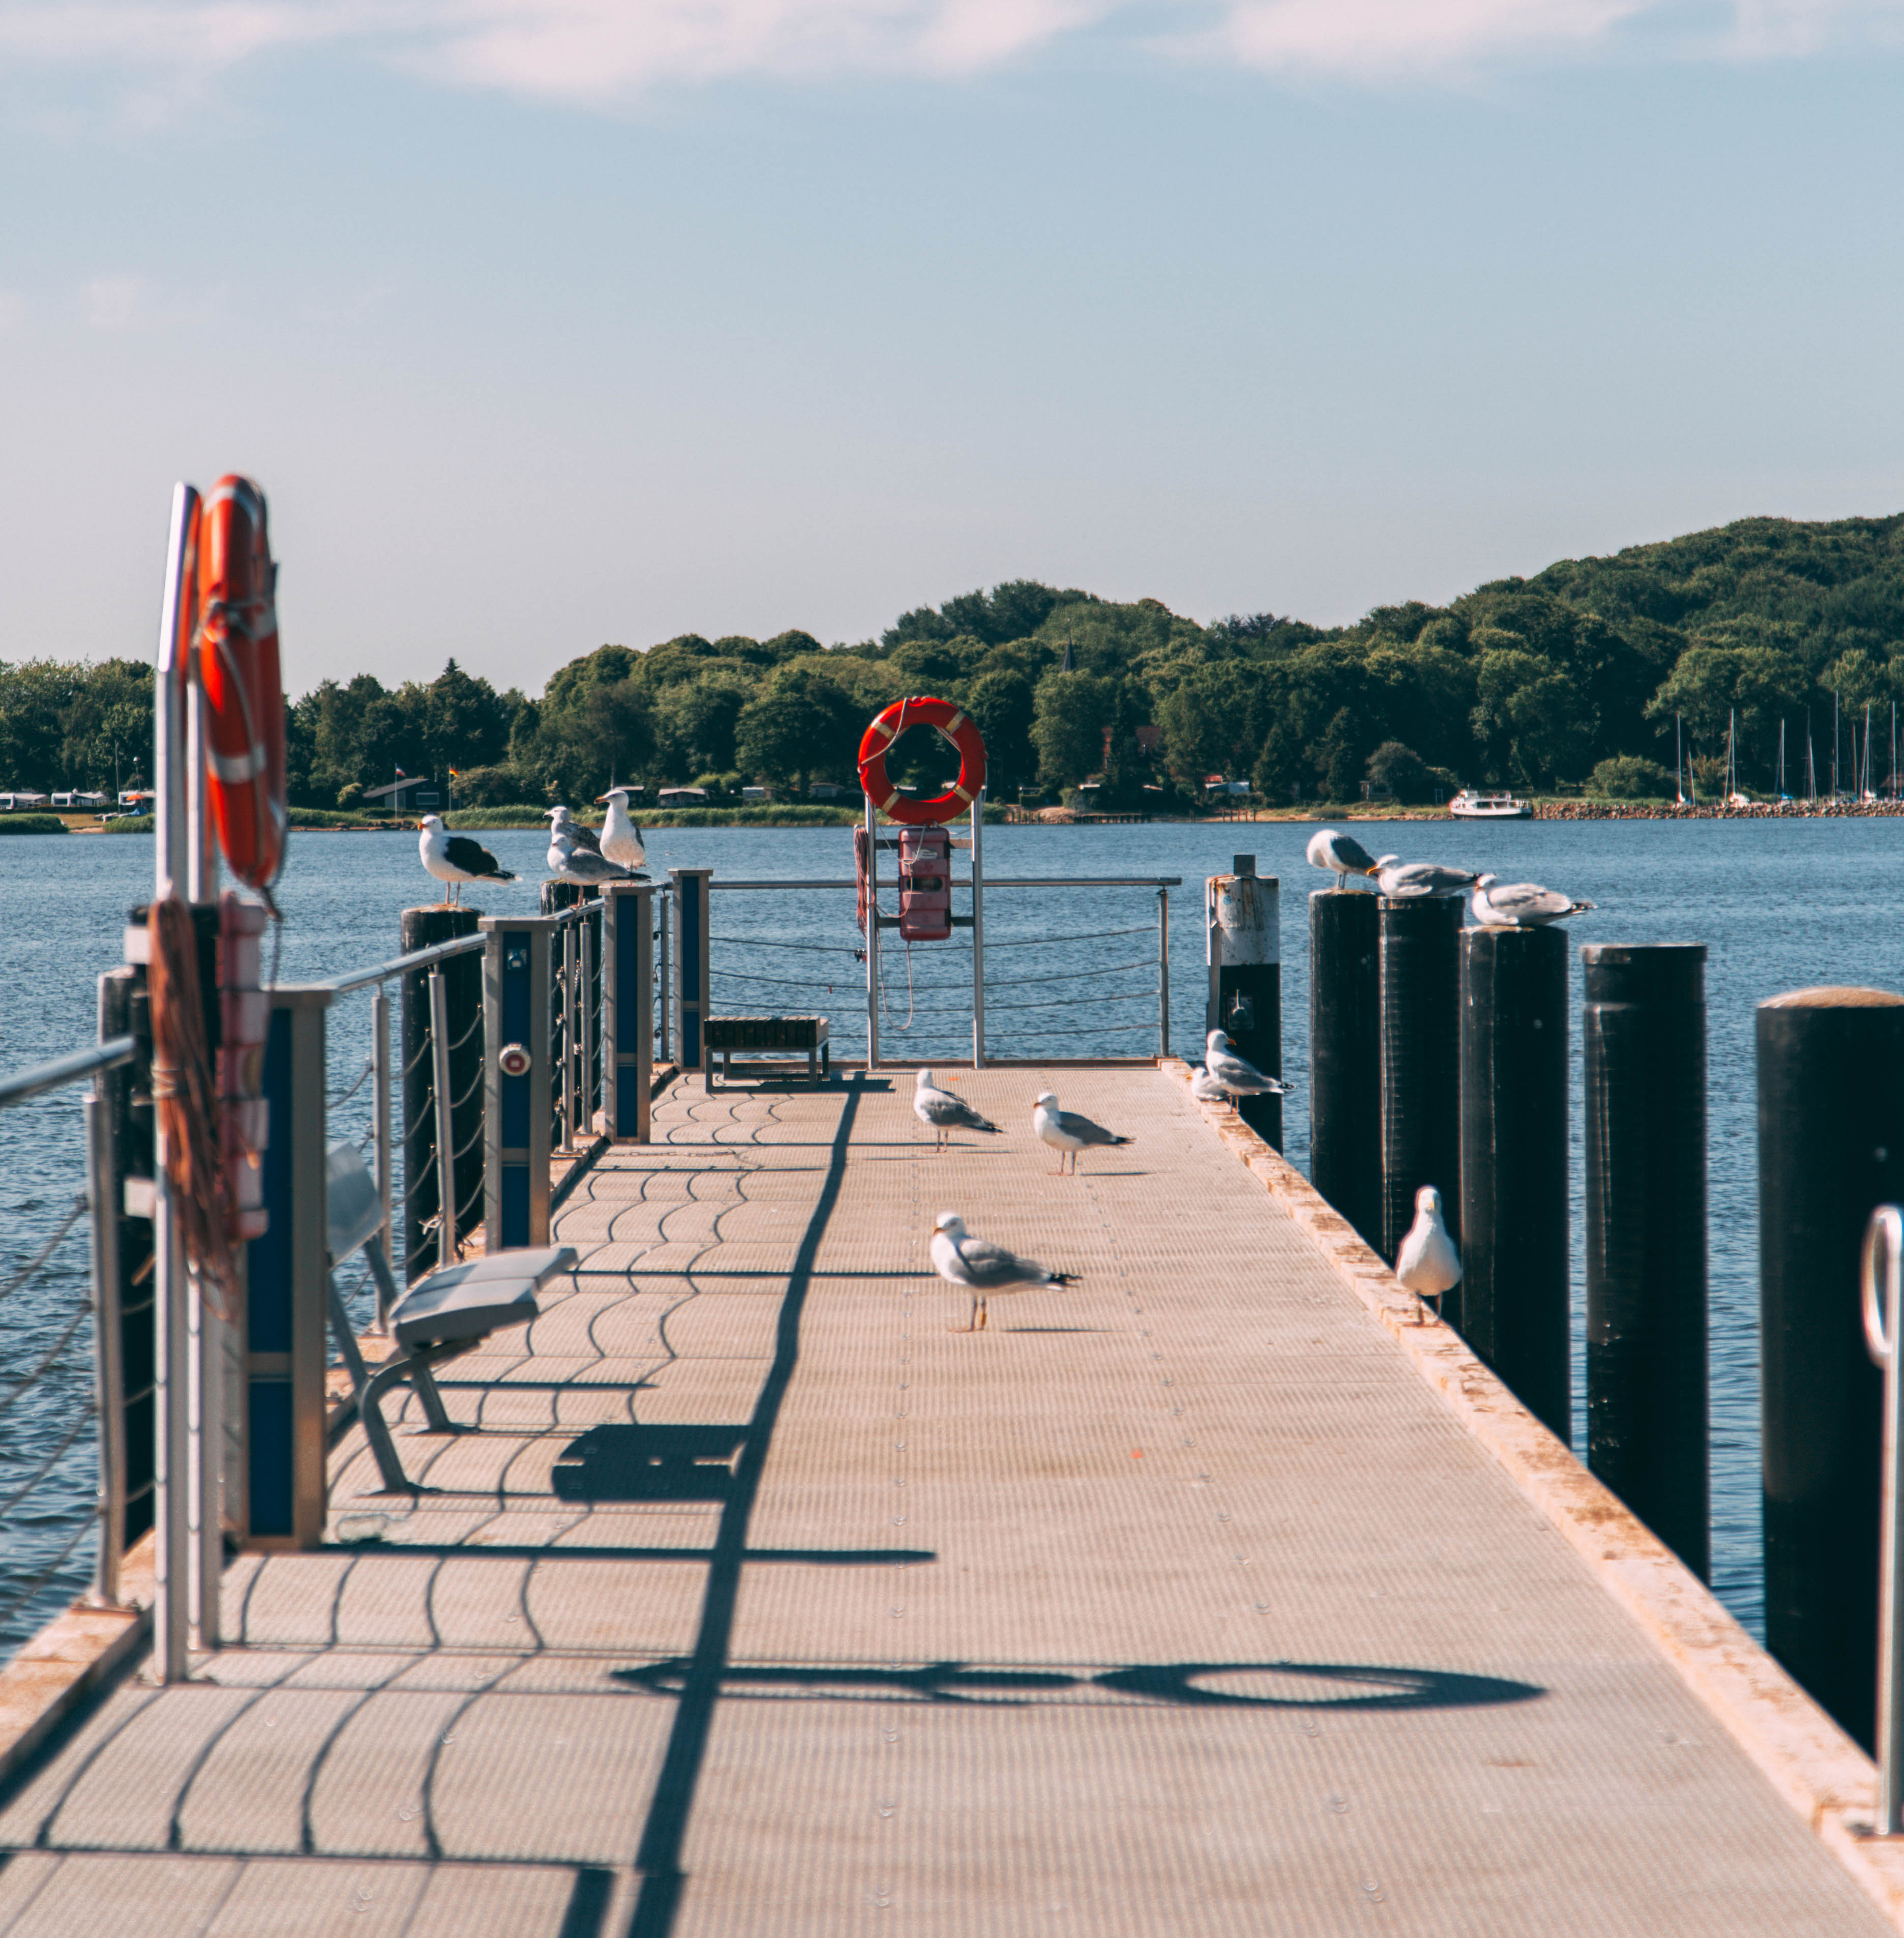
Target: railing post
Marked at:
871, 825
439, 1189
690, 889
286, 1299
978, 931
565, 1010
1245, 980
1882, 1318
105, 1193
1163, 972
382, 1145
627, 1007
588, 994
663, 971
448, 1244
518, 992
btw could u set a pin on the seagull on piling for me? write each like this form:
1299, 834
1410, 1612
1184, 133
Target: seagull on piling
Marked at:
1234, 1073
582, 866
455, 858
941, 1112
982, 1269
1428, 1263
1066, 1132
621, 841
1520, 904
562, 822
1329, 848
1408, 882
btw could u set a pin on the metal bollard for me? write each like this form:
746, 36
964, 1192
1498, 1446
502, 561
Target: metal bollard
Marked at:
1882, 1336
627, 1007
1831, 1149
1345, 1057
433, 1192
1514, 1164
691, 898
1242, 924
1643, 1031
517, 1135
1420, 970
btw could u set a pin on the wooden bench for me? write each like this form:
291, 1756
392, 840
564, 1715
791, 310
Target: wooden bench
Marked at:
725, 1036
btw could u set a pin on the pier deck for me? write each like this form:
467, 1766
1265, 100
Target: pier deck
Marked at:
759, 1602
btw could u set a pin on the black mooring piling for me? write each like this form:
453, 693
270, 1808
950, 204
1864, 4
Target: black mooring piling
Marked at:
1514, 1164
1643, 1034
1245, 980
462, 989
1345, 1056
1831, 1149
1420, 958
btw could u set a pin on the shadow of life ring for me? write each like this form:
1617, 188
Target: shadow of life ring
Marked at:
958, 727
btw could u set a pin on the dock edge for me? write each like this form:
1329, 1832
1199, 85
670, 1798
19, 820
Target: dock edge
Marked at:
1818, 1770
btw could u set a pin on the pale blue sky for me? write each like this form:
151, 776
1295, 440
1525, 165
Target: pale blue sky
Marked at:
549, 322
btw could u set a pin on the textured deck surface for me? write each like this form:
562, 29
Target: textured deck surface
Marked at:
759, 1601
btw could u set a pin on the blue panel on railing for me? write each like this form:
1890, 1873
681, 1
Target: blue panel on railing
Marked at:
631, 1008
271, 1465
513, 1199
268, 1259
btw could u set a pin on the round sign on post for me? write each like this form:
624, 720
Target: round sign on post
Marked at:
512, 1060
957, 726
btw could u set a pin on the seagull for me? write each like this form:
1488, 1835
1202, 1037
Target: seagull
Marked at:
941, 1112
621, 841
1400, 883
1066, 1130
582, 866
983, 1268
1428, 1263
455, 858
561, 822
1205, 1088
1520, 904
1330, 848
1224, 1067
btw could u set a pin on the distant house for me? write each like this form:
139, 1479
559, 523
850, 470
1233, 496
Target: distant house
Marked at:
825, 791
1377, 790
1215, 784
24, 800
756, 794
405, 794
76, 798
681, 797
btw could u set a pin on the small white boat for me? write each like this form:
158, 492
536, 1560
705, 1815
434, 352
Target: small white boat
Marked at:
1469, 805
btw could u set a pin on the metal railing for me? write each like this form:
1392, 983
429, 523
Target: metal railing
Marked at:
1884, 1334
50, 1396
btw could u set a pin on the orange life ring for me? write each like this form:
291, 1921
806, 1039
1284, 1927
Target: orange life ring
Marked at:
244, 687
958, 727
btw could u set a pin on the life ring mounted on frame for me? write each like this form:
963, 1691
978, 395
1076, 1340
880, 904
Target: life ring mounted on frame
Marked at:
957, 726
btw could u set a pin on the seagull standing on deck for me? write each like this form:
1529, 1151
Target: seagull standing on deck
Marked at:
455, 858
1520, 904
1329, 848
941, 1112
1235, 1074
1428, 1263
983, 1269
1066, 1132
621, 841
1401, 881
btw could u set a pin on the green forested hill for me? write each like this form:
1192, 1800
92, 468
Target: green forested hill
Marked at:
1575, 673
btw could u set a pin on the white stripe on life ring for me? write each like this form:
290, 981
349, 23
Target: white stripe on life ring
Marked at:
888, 732
234, 770
961, 793
952, 726
885, 806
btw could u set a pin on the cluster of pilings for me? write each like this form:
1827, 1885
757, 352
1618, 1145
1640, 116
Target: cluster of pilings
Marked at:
1438, 1055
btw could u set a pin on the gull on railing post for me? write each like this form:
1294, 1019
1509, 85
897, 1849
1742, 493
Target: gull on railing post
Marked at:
1885, 1235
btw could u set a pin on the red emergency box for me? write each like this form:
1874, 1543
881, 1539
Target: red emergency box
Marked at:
924, 884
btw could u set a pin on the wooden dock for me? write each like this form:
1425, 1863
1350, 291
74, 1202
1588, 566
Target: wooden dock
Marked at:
753, 1600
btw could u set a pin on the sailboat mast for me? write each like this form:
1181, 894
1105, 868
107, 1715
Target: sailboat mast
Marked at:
1781, 760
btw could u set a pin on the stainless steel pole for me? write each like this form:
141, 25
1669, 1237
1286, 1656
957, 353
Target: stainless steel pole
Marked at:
978, 932
1163, 972
449, 1241
872, 937
103, 1187
584, 1005
567, 1005
665, 991
380, 1056
1886, 1232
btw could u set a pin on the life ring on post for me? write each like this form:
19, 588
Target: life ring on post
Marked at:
244, 687
957, 726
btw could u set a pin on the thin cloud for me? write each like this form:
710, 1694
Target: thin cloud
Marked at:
601, 50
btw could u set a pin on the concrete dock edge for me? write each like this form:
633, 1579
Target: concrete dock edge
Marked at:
1812, 1764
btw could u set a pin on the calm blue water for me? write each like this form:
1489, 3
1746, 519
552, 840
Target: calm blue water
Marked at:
1780, 905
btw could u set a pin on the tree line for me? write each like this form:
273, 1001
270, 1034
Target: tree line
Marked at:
1581, 674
